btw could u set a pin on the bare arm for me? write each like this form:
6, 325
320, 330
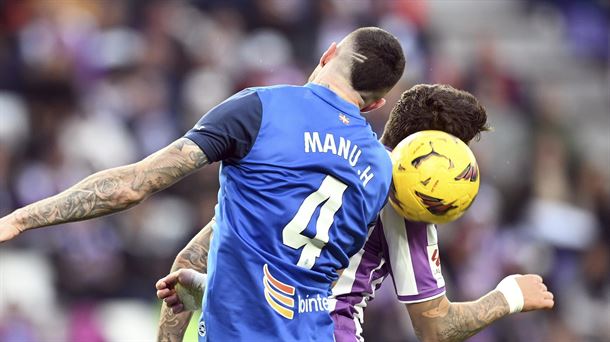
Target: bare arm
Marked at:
195, 256
108, 191
441, 320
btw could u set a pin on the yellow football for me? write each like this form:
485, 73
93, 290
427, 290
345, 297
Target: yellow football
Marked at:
435, 177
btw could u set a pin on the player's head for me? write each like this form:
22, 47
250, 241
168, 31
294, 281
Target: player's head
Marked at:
435, 107
370, 59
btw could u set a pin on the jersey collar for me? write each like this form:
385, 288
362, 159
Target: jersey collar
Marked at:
335, 100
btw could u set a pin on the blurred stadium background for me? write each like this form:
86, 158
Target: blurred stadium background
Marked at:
91, 84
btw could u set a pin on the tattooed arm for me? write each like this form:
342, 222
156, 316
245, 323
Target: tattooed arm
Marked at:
194, 256
441, 320
108, 191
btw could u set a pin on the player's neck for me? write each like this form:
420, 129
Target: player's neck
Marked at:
341, 87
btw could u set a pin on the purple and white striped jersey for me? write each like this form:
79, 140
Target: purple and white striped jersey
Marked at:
406, 250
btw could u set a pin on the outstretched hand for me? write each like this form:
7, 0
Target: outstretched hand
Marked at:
182, 290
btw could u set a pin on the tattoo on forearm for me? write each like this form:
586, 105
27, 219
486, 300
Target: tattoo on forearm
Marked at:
173, 326
195, 255
115, 189
458, 321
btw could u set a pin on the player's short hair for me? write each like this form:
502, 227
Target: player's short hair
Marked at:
435, 107
378, 62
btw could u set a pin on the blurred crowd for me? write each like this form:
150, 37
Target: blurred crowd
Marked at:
91, 84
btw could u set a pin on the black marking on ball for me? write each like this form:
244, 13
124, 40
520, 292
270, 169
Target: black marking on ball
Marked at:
436, 206
417, 161
470, 173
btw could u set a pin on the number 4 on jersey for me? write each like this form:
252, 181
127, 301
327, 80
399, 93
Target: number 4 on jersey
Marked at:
331, 190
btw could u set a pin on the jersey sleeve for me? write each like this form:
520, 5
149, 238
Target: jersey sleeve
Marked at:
228, 131
413, 255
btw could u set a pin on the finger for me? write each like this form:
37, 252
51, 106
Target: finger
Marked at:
549, 295
162, 294
543, 286
171, 279
160, 284
172, 300
178, 308
538, 277
548, 303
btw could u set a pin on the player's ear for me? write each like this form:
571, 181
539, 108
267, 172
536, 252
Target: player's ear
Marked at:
377, 104
328, 54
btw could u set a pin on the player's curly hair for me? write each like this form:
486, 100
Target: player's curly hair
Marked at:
435, 107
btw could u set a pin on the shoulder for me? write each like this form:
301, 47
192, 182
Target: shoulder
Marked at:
278, 88
229, 130
244, 97
281, 90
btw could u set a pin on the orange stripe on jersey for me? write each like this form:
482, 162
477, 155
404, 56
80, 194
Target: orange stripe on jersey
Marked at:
287, 289
276, 295
278, 308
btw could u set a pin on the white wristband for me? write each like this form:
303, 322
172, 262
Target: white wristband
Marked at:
200, 280
512, 292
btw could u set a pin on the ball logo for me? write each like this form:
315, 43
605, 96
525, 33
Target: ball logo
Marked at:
419, 160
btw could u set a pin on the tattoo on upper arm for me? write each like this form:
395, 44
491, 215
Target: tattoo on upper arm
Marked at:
168, 165
115, 189
458, 321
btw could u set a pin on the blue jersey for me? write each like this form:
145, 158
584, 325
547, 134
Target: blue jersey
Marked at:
302, 177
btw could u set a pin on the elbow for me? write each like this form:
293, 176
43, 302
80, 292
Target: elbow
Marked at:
130, 199
136, 186
137, 197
